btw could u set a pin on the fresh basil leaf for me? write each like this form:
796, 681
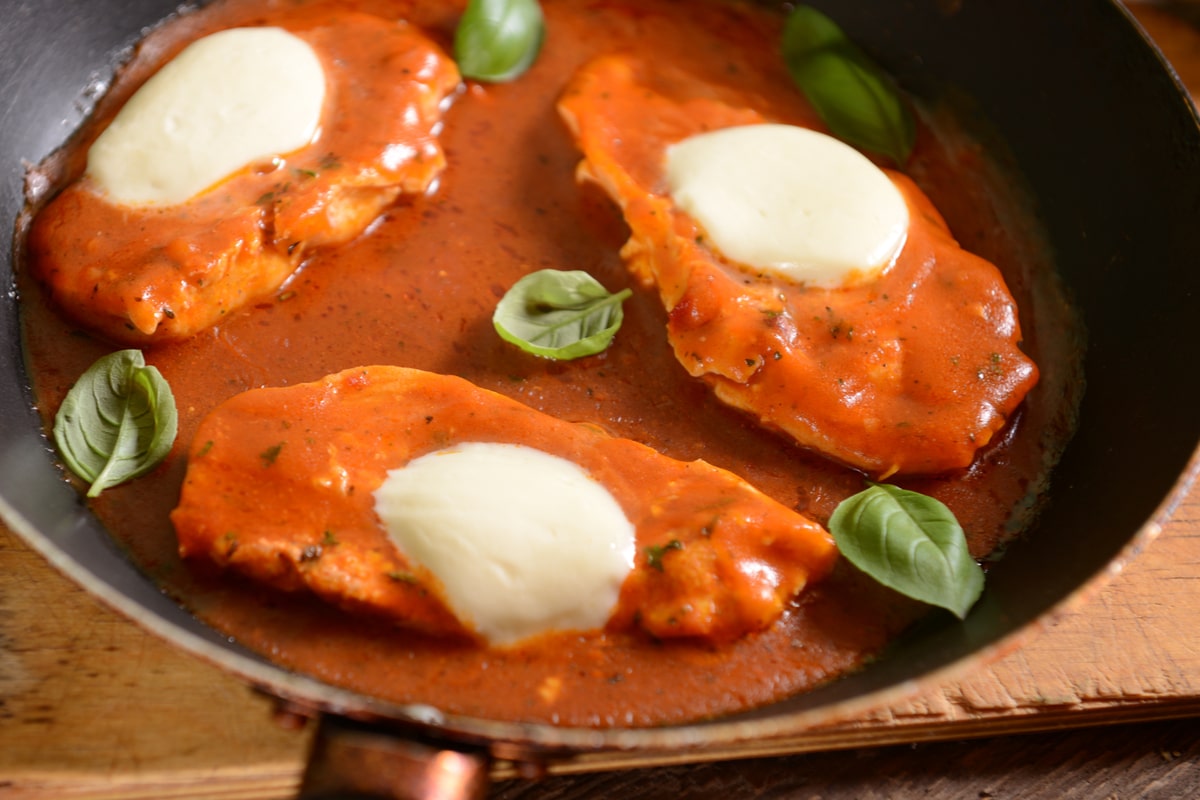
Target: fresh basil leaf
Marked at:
852, 94
497, 40
117, 422
559, 314
909, 542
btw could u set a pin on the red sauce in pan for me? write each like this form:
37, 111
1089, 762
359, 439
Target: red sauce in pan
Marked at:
418, 290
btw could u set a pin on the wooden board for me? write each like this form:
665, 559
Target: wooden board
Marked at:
91, 706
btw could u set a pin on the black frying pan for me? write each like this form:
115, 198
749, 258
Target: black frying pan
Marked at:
1098, 127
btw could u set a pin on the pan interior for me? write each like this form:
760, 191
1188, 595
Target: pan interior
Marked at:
1109, 146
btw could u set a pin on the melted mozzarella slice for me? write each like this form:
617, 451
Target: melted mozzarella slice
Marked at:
523, 542
791, 201
227, 100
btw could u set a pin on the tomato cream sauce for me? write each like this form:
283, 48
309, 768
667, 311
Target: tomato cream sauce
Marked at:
418, 288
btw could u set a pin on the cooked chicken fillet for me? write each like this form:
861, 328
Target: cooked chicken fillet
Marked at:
141, 274
280, 482
912, 372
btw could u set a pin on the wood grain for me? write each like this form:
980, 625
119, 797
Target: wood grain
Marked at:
93, 707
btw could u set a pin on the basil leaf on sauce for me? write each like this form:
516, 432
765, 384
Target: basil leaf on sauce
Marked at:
117, 422
497, 40
909, 542
852, 94
559, 314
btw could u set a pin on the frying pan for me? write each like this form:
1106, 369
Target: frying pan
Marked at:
1097, 126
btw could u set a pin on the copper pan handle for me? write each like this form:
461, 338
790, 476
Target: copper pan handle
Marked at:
350, 760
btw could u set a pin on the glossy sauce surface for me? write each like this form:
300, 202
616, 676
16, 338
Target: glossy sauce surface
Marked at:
418, 290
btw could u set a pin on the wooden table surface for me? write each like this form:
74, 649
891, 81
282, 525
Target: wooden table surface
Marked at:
1102, 704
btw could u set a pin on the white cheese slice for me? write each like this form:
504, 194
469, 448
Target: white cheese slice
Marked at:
790, 201
228, 100
523, 542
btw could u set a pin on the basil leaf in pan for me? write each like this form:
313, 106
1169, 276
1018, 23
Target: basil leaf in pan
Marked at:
911, 543
852, 94
559, 314
497, 40
117, 422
